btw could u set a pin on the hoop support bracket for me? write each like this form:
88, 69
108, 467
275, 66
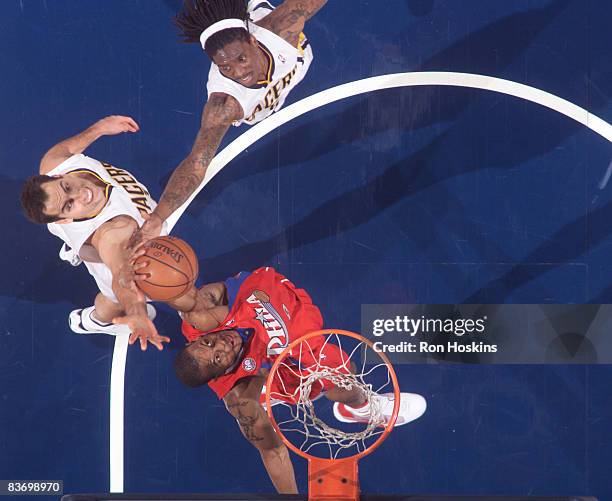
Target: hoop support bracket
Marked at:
336, 480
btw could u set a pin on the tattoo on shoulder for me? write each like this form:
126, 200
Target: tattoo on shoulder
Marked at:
287, 21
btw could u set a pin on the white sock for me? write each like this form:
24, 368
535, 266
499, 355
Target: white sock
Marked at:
94, 317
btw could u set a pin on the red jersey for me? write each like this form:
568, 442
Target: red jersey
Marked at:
275, 312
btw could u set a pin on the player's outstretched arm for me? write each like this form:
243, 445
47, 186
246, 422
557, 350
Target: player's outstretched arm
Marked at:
203, 308
242, 402
109, 126
219, 113
288, 19
110, 240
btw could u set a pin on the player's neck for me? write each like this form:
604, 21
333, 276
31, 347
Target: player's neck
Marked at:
264, 64
90, 176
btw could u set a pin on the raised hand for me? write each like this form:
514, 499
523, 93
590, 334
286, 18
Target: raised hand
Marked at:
129, 274
116, 124
143, 329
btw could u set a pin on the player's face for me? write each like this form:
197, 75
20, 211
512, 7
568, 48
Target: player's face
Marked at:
72, 197
217, 351
243, 62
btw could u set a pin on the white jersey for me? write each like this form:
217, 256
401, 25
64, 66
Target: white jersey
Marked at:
125, 196
287, 66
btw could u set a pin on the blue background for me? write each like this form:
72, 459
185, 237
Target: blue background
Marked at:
415, 195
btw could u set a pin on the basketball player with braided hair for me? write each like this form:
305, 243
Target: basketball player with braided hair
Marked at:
259, 54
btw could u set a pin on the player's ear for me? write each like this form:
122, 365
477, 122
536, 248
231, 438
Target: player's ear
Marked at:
252, 40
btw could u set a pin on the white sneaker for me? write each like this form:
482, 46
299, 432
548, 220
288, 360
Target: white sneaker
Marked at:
412, 406
82, 322
151, 312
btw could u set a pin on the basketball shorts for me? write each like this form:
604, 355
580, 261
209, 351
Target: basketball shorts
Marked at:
104, 279
314, 355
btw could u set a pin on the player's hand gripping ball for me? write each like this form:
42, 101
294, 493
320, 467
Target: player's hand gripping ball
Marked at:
172, 267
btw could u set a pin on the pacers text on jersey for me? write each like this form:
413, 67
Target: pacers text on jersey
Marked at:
273, 95
138, 193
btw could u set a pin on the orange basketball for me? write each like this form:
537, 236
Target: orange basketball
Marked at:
172, 268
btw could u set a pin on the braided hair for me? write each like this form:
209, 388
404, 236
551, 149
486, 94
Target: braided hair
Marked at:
197, 15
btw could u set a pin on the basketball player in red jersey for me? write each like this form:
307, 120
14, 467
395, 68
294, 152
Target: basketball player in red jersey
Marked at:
236, 329
259, 54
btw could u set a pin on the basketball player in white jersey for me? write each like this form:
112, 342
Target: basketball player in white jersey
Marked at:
259, 54
94, 208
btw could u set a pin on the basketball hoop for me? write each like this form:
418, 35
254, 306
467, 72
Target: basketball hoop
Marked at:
302, 373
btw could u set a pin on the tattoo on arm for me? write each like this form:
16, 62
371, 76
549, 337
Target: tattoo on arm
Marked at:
220, 111
246, 420
287, 21
247, 424
182, 183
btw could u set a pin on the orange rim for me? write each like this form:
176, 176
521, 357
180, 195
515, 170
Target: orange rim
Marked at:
383, 356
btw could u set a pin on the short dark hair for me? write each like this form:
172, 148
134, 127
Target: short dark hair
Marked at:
189, 371
33, 199
197, 15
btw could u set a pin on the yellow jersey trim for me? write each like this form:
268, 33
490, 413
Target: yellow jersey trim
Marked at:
107, 191
270, 71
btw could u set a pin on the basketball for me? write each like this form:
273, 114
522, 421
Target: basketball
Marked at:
172, 268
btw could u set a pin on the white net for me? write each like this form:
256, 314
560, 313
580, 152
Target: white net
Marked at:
329, 365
